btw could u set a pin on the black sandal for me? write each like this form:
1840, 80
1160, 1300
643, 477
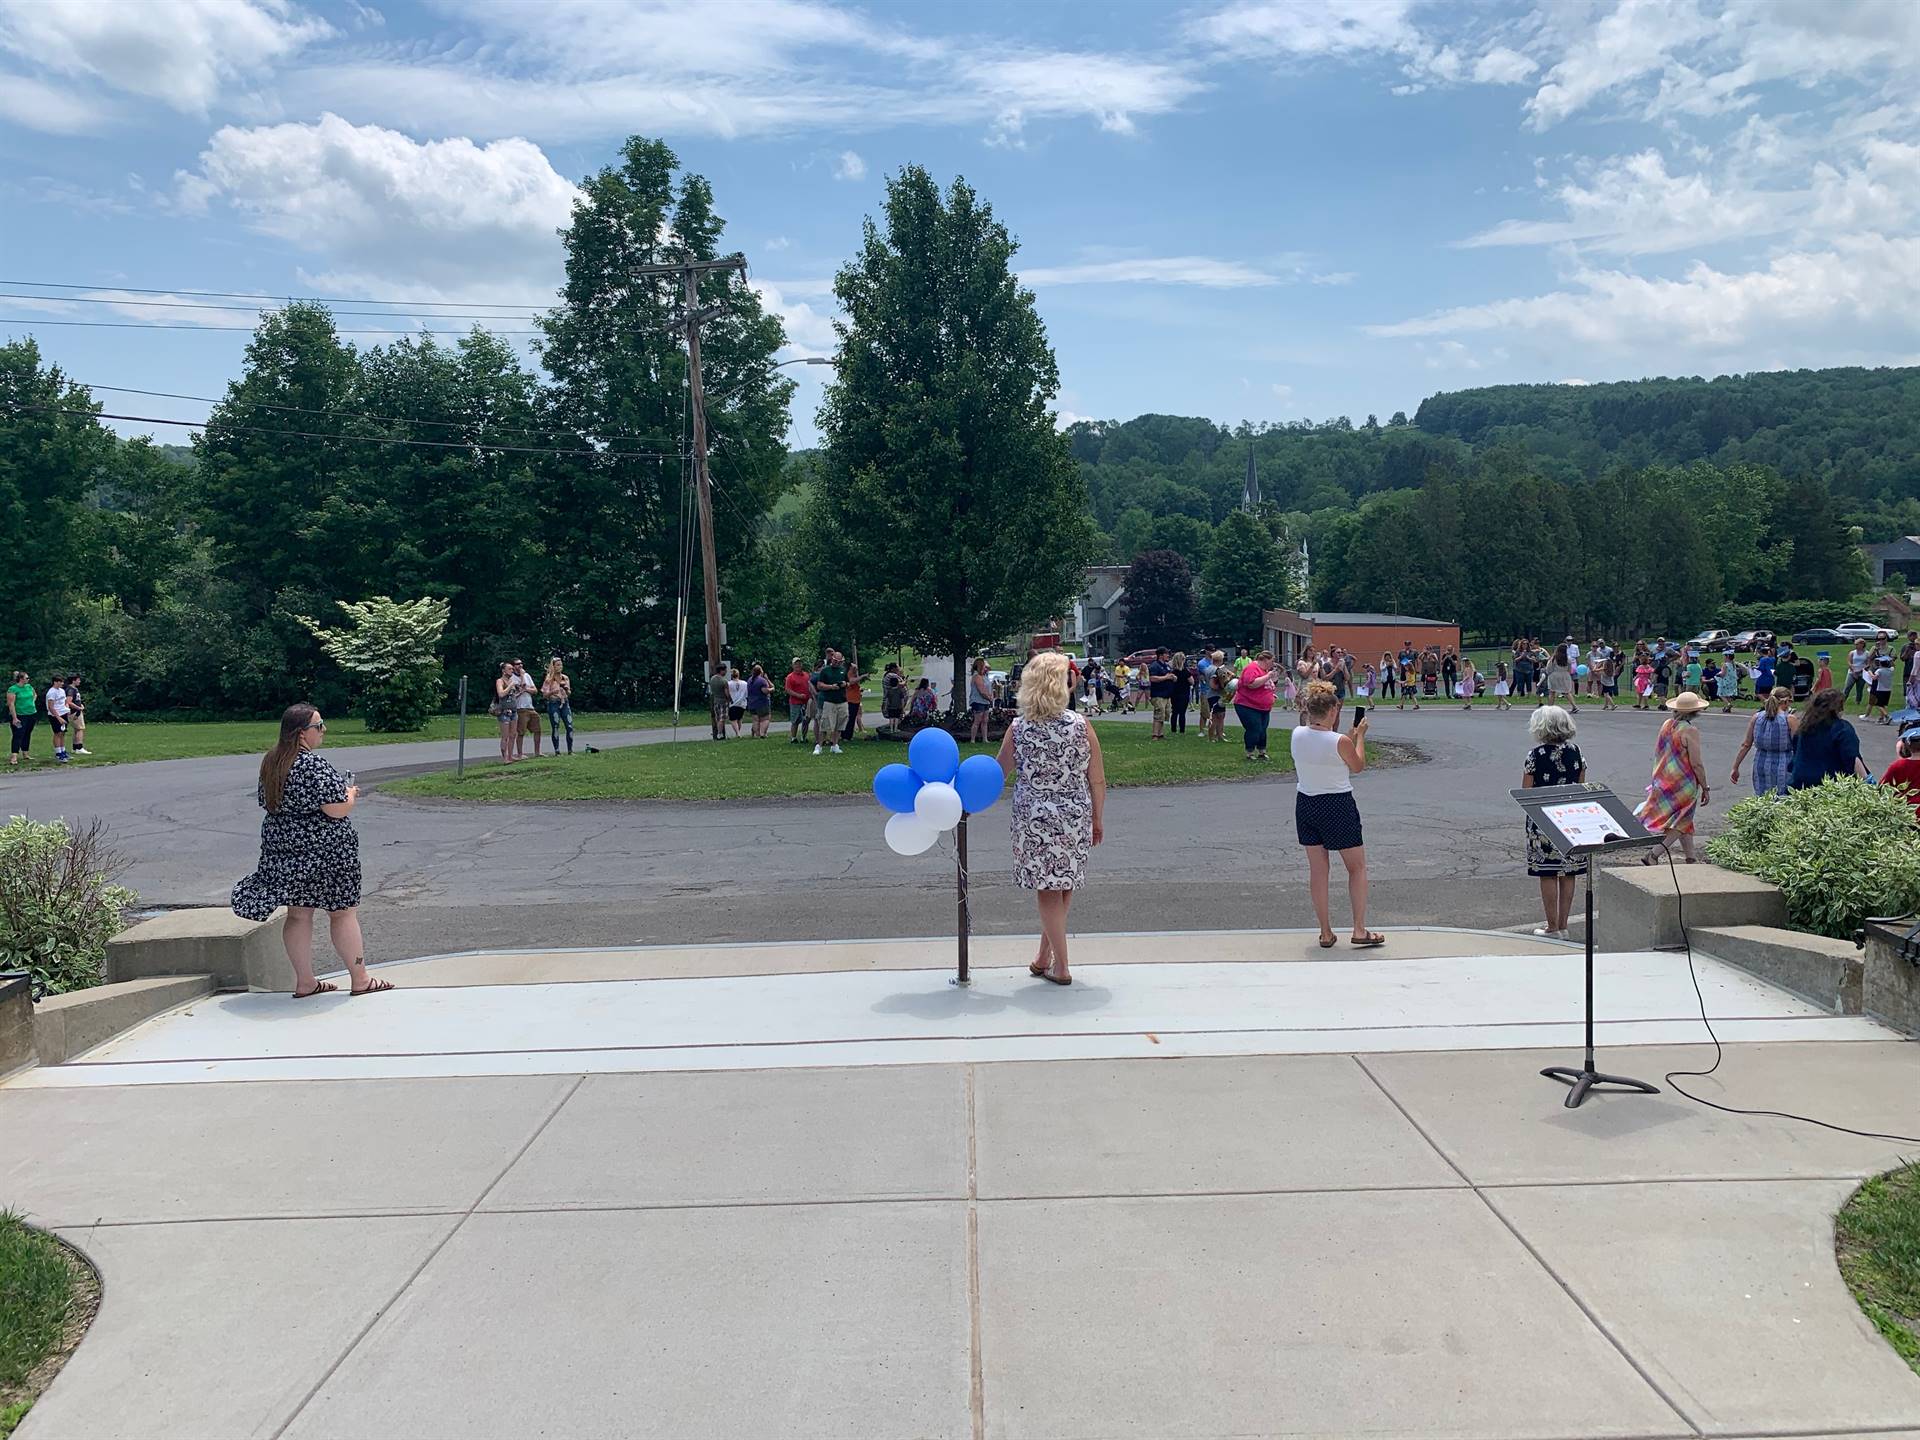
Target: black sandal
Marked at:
1371, 940
1053, 979
320, 987
373, 987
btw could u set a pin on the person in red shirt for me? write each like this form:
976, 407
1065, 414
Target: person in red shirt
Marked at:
1906, 770
799, 692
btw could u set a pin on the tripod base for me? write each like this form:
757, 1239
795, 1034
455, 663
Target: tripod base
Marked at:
1588, 1079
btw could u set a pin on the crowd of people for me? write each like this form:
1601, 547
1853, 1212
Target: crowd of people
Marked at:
1799, 737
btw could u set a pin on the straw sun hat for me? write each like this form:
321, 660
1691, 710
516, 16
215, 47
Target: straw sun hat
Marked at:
1686, 703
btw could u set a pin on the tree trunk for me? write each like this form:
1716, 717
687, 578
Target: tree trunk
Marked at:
961, 699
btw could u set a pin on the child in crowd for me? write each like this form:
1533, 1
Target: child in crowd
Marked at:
1880, 669
1502, 687
1694, 672
1729, 685
1465, 689
1642, 681
1824, 679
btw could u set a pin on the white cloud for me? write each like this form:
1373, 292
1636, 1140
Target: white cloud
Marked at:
1310, 27
1633, 206
809, 331
1335, 277
1501, 66
36, 105
1173, 270
444, 217
778, 242
1355, 29
849, 166
180, 52
581, 69
1866, 281
1283, 393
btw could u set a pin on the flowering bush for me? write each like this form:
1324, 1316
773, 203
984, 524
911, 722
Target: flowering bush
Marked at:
392, 645
58, 903
1838, 852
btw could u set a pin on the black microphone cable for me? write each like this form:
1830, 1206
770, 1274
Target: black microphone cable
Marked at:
1719, 1053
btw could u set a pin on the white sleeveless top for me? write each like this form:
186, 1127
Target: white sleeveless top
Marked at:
1317, 763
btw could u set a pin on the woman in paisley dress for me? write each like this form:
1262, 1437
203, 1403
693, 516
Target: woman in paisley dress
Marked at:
1059, 800
309, 854
1554, 760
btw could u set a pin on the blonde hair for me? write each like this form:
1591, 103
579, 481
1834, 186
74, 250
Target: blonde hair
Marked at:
1319, 700
1778, 699
554, 669
1043, 687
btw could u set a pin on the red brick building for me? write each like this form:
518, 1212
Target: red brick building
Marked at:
1370, 635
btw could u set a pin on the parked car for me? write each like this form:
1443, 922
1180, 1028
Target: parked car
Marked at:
1862, 630
1820, 636
1711, 639
1751, 640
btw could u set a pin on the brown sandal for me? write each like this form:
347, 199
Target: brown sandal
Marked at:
373, 987
320, 987
1369, 941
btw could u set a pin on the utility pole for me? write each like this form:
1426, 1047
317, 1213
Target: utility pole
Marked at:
690, 272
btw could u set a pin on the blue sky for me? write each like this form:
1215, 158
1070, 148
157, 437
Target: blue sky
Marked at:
1261, 210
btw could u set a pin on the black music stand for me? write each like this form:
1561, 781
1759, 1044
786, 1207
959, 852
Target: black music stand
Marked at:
1586, 821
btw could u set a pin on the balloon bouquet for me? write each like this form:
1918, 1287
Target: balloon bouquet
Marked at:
934, 792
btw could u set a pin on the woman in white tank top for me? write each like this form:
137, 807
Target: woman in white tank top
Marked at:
1325, 815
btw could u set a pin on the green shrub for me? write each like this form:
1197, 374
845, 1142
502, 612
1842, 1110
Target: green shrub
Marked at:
1784, 617
392, 646
58, 903
1838, 852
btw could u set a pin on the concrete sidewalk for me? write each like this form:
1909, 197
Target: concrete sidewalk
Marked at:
1395, 1243
1403, 1245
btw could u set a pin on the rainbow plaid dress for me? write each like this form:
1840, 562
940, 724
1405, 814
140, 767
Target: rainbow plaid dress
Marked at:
1675, 789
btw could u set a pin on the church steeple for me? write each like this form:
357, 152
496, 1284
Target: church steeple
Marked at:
1250, 490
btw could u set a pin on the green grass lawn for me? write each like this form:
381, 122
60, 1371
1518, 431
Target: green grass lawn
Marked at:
36, 1297
1879, 1238
762, 769
115, 742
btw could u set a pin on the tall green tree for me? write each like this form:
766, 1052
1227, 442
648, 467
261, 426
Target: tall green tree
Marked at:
1159, 600
941, 464
53, 455
614, 523
1247, 573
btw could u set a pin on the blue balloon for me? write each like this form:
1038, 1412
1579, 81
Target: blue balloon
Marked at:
1584, 672
979, 782
894, 786
934, 755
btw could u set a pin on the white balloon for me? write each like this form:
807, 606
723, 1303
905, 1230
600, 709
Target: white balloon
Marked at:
938, 805
909, 835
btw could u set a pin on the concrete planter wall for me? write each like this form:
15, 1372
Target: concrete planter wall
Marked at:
1892, 990
239, 954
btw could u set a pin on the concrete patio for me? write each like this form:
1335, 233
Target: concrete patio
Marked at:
1390, 1239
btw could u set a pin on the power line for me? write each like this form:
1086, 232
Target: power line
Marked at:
337, 414
388, 314
226, 329
359, 439
281, 299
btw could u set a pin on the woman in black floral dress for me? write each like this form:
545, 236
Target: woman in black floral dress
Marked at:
309, 854
1554, 760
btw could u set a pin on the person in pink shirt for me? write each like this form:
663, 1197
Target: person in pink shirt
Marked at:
1253, 703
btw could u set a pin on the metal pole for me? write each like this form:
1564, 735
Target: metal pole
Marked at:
460, 763
960, 834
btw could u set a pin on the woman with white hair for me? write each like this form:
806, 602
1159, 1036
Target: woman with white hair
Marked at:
1058, 802
1554, 760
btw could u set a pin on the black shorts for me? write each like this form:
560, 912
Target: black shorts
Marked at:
58, 724
736, 712
1329, 820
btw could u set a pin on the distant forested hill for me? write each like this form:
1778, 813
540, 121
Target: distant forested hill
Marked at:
1856, 431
